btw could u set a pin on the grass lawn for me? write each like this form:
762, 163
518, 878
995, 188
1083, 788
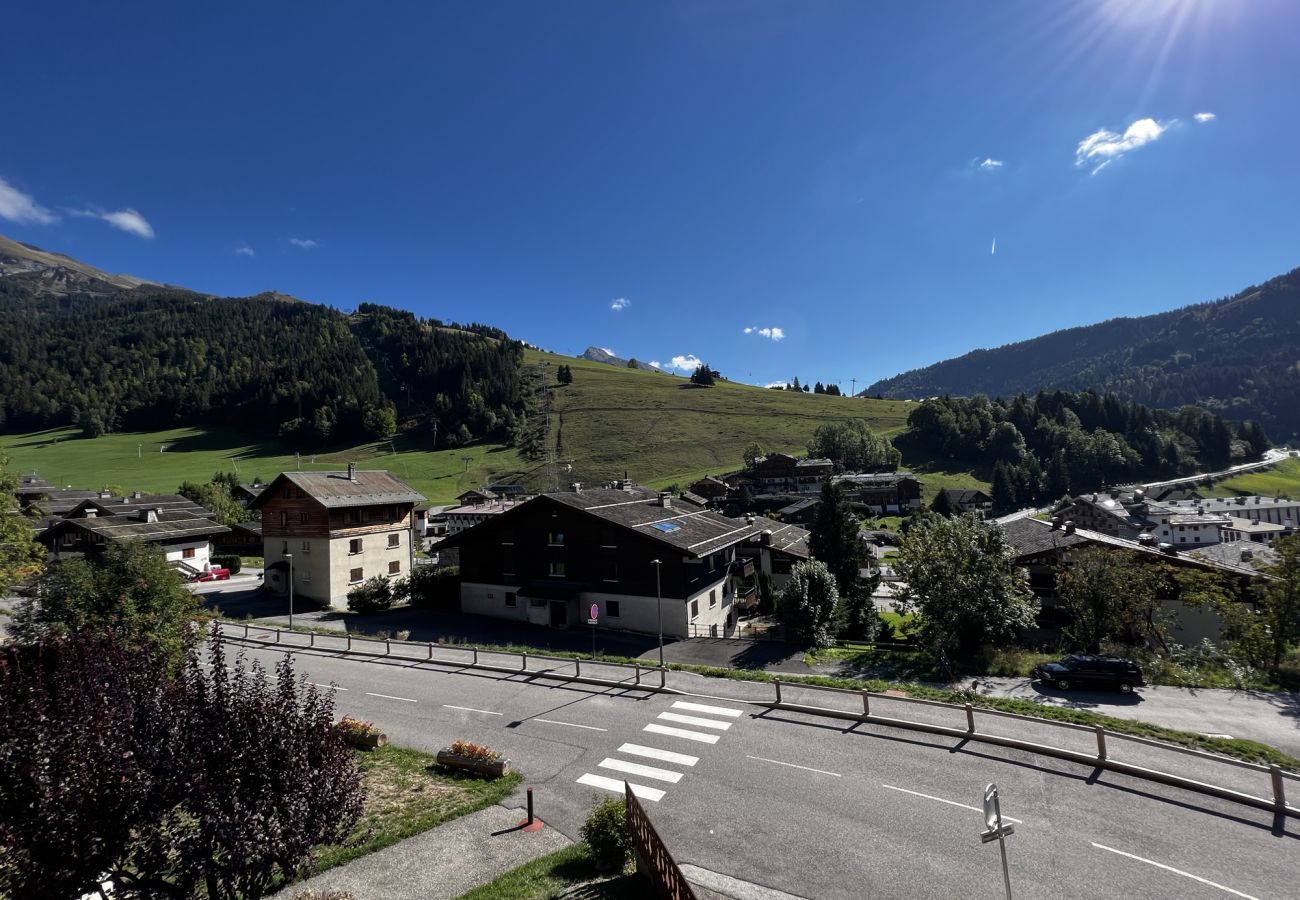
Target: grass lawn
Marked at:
1278, 480
406, 794
551, 875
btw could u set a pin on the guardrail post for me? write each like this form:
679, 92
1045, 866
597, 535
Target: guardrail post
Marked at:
1101, 743
524, 666
970, 719
388, 648
777, 683
866, 703
245, 631
277, 635
311, 639
637, 666
349, 643
663, 678
577, 668
474, 650
1279, 790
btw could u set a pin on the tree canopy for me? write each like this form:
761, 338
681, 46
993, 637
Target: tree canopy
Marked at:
853, 447
810, 604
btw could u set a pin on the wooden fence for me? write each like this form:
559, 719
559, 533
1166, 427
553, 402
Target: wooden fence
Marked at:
652, 857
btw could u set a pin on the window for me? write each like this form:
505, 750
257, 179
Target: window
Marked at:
304, 575
611, 608
537, 602
306, 546
187, 553
611, 570
512, 599
394, 568
284, 519
508, 538
695, 608
507, 562
394, 540
557, 569
713, 599
354, 576
288, 492
354, 516
609, 538
300, 494
354, 546
556, 539
304, 517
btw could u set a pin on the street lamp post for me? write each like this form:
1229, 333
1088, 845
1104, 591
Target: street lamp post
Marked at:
289, 556
659, 597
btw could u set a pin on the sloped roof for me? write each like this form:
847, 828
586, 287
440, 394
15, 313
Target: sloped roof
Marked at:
790, 539
798, 506
335, 490
1237, 553
171, 526
1030, 537
131, 506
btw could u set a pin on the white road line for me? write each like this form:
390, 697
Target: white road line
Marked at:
941, 800
389, 697
615, 785
793, 766
662, 755
632, 768
695, 720
681, 733
570, 724
1150, 862
700, 707
486, 712
332, 687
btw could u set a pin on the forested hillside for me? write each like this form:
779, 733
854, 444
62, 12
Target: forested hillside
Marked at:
1236, 357
154, 358
1057, 443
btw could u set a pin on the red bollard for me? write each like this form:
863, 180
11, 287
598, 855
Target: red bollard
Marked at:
532, 823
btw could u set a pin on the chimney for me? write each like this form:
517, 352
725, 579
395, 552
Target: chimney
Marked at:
1069, 527
1056, 522
749, 519
576, 487
105, 495
352, 471
149, 515
1247, 555
665, 499
765, 538
135, 495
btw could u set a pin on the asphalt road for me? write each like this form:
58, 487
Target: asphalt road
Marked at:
817, 808
1272, 717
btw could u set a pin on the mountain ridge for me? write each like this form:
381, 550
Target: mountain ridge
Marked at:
1236, 356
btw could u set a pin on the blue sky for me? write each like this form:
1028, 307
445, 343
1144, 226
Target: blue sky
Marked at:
783, 189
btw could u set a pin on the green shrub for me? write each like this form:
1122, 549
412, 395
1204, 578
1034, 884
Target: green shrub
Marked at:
372, 595
231, 561
434, 586
605, 832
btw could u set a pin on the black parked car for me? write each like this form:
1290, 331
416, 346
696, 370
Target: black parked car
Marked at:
1091, 671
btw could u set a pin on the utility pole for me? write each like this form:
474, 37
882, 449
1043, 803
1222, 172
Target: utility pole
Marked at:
289, 556
467, 459
854, 382
660, 598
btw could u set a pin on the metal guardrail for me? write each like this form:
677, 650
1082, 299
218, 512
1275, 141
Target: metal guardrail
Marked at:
360, 646
1274, 802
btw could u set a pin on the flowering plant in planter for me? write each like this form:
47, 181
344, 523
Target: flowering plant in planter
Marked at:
476, 752
360, 734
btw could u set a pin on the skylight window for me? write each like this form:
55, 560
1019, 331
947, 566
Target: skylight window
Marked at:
666, 527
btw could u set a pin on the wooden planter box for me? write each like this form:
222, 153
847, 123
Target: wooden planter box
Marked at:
477, 766
366, 741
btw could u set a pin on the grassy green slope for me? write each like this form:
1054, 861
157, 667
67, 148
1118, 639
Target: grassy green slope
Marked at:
1283, 478
654, 426
661, 429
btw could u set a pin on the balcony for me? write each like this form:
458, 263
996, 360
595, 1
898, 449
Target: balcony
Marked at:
743, 567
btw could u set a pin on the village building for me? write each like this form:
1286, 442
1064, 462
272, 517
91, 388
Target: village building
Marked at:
775, 549
247, 493
711, 488
335, 530
968, 500
881, 492
182, 529
462, 518
549, 559
801, 512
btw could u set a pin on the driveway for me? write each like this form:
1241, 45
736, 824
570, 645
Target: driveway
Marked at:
1273, 718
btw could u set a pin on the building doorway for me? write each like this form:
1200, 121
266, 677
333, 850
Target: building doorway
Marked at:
559, 614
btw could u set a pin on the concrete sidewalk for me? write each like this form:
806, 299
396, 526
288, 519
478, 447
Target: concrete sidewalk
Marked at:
441, 863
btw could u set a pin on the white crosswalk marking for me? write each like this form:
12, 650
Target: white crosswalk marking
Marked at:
667, 756
695, 720
681, 733
616, 786
700, 707
632, 768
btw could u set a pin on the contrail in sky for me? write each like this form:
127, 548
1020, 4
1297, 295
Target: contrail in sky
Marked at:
995, 247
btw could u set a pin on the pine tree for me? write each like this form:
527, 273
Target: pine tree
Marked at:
1004, 487
834, 539
942, 504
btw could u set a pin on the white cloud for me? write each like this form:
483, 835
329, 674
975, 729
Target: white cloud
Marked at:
775, 384
1103, 147
989, 164
655, 363
688, 363
244, 250
620, 304
1205, 117
304, 243
127, 220
21, 208
775, 334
